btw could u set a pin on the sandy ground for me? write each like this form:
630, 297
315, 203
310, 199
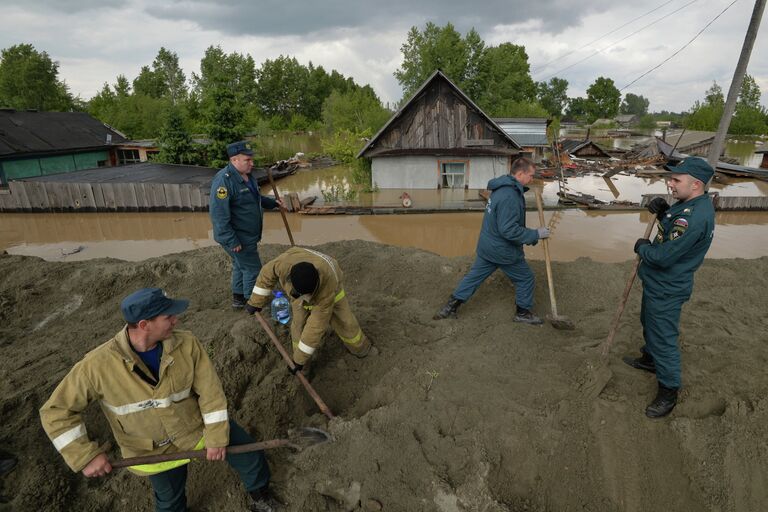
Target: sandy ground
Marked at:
474, 414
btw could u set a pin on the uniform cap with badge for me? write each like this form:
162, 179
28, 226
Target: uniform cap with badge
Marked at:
242, 147
694, 166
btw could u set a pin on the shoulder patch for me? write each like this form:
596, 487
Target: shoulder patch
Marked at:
221, 193
680, 222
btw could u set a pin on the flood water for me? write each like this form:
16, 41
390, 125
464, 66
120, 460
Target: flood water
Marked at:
602, 236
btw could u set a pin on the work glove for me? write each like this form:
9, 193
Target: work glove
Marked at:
543, 233
296, 368
641, 242
658, 206
251, 309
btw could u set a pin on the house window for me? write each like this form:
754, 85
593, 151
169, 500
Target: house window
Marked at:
453, 175
128, 156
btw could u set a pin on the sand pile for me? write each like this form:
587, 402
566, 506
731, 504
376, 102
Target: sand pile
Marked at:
478, 414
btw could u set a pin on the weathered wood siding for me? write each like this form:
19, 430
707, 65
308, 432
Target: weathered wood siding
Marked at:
440, 119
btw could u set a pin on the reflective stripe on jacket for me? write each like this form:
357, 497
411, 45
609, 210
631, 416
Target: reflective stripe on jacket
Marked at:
171, 415
320, 305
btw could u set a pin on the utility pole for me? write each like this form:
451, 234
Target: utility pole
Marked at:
738, 78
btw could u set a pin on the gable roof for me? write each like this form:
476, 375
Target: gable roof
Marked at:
571, 146
26, 133
437, 75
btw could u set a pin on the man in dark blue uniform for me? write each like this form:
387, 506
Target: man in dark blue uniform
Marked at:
236, 210
667, 265
501, 244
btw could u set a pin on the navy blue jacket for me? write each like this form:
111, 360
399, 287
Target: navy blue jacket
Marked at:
684, 236
504, 233
236, 213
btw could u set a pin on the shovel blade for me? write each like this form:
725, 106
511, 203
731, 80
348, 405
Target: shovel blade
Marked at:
305, 437
562, 323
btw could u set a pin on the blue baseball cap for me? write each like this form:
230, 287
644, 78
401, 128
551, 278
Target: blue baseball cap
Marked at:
148, 303
695, 166
242, 147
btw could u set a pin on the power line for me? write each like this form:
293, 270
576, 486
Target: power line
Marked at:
681, 48
622, 39
603, 36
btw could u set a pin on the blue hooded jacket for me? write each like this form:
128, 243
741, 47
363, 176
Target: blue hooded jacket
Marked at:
504, 233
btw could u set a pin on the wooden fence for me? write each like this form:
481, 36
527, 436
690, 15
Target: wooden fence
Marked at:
721, 203
40, 196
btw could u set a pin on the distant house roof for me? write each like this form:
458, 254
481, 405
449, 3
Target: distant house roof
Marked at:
28, 133
689, 139
527, 131
437, 75
602, 121
145, 172
625, 118
572, 147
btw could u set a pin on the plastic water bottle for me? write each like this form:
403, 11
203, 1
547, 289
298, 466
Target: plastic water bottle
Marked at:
281, 309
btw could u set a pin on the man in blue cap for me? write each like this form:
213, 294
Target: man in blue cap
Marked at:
160, 394
236, 210
685, 232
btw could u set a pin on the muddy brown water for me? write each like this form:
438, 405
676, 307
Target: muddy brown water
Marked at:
605, 237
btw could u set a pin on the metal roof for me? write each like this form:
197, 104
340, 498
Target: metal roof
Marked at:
25, 133
434, 76
527, 132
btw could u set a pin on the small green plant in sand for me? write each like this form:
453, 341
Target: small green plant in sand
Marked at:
432, 374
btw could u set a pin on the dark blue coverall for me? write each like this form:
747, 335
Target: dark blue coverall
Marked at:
236, 210
501, 243
668, 263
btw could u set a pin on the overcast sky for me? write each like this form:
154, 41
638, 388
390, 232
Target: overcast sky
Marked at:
95, 40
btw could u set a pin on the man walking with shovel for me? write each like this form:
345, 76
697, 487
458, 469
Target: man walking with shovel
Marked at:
667, 266
501, 244
160, 394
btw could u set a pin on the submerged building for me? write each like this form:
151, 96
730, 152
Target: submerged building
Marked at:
439, 139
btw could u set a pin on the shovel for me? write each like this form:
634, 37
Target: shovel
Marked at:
600, 374
298, 440
557, 321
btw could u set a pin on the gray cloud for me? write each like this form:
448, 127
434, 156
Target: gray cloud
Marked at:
269, 17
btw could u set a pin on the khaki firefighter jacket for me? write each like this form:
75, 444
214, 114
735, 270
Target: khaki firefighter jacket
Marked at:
146, 418
320, 305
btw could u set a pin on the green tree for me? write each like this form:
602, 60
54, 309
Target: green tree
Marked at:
439, 48
281, 87
578, 108
750, 116
30, 80
706, 115
603, 98
175, 142
504, 78
355, 111
634, 104
553, 96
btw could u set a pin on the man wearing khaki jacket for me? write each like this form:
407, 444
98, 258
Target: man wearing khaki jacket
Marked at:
160, 394
316, 285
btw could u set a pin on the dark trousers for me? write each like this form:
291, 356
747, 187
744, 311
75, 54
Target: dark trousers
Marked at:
519, 273
246, 266
169, 486
660, 317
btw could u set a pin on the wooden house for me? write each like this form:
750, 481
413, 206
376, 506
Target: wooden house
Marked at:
439, 139
627, 120
41, 143
583, 149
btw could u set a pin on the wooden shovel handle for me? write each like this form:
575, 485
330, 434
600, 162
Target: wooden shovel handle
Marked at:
282, 210
198, 454
545, 243
606, 346
289, 360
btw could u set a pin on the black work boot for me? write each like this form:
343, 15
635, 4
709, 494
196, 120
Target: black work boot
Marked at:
644, 362
449, 309
665, 401
238, 301
527, 317
263, 501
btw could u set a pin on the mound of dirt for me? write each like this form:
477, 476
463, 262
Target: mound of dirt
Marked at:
474, 414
